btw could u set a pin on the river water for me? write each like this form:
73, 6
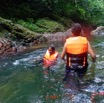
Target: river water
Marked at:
22, 80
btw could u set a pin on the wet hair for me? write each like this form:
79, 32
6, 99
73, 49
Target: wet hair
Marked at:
52, 47
76, 29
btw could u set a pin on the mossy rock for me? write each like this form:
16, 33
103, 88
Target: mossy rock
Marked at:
5, 25
31, 25
46, 26
16, 29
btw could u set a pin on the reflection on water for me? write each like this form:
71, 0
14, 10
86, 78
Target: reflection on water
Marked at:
22, 81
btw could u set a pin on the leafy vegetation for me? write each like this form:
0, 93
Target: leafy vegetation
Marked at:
83, 11
42, 25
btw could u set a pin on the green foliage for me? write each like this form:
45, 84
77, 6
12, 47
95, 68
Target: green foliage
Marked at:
93, 11
29, 25
0, 34
49, 25
90, 11
42, 25
80, 11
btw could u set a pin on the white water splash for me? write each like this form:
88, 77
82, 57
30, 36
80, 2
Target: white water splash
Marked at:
98, 80
100, 65
16, 62
99, 45
81, 98
94, 88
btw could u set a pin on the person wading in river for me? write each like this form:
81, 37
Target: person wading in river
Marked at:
76, 49
50, 57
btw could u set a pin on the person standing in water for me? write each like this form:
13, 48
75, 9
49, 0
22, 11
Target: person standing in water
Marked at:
76, 49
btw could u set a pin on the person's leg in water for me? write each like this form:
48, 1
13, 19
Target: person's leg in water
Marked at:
81, 72
68, 70
46, 70
66, 73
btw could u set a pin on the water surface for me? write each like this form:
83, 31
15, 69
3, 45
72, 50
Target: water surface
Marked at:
22, 80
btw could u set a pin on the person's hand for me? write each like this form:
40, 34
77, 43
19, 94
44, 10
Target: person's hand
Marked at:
48, 63
64, 60
94, 59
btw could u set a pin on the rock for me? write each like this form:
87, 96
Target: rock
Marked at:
99, 31
58, 37
68, 33
6, 46
15, 31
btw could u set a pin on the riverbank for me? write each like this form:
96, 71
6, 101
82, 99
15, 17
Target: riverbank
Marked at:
16, 38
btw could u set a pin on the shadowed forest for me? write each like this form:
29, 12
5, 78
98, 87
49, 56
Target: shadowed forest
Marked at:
40, 15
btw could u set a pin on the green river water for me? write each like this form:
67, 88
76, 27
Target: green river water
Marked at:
23, 81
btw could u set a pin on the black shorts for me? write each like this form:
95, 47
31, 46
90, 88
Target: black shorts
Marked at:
80, 70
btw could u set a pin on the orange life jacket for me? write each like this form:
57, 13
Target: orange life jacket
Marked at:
77, 48
50, 57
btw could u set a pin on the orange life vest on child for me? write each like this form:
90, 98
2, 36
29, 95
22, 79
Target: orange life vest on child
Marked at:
77, 48
48, 59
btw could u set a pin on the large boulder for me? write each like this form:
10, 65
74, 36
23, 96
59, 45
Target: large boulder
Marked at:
99, 31
58, 37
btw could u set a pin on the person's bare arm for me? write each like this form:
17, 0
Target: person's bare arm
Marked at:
91, 52
63, 53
